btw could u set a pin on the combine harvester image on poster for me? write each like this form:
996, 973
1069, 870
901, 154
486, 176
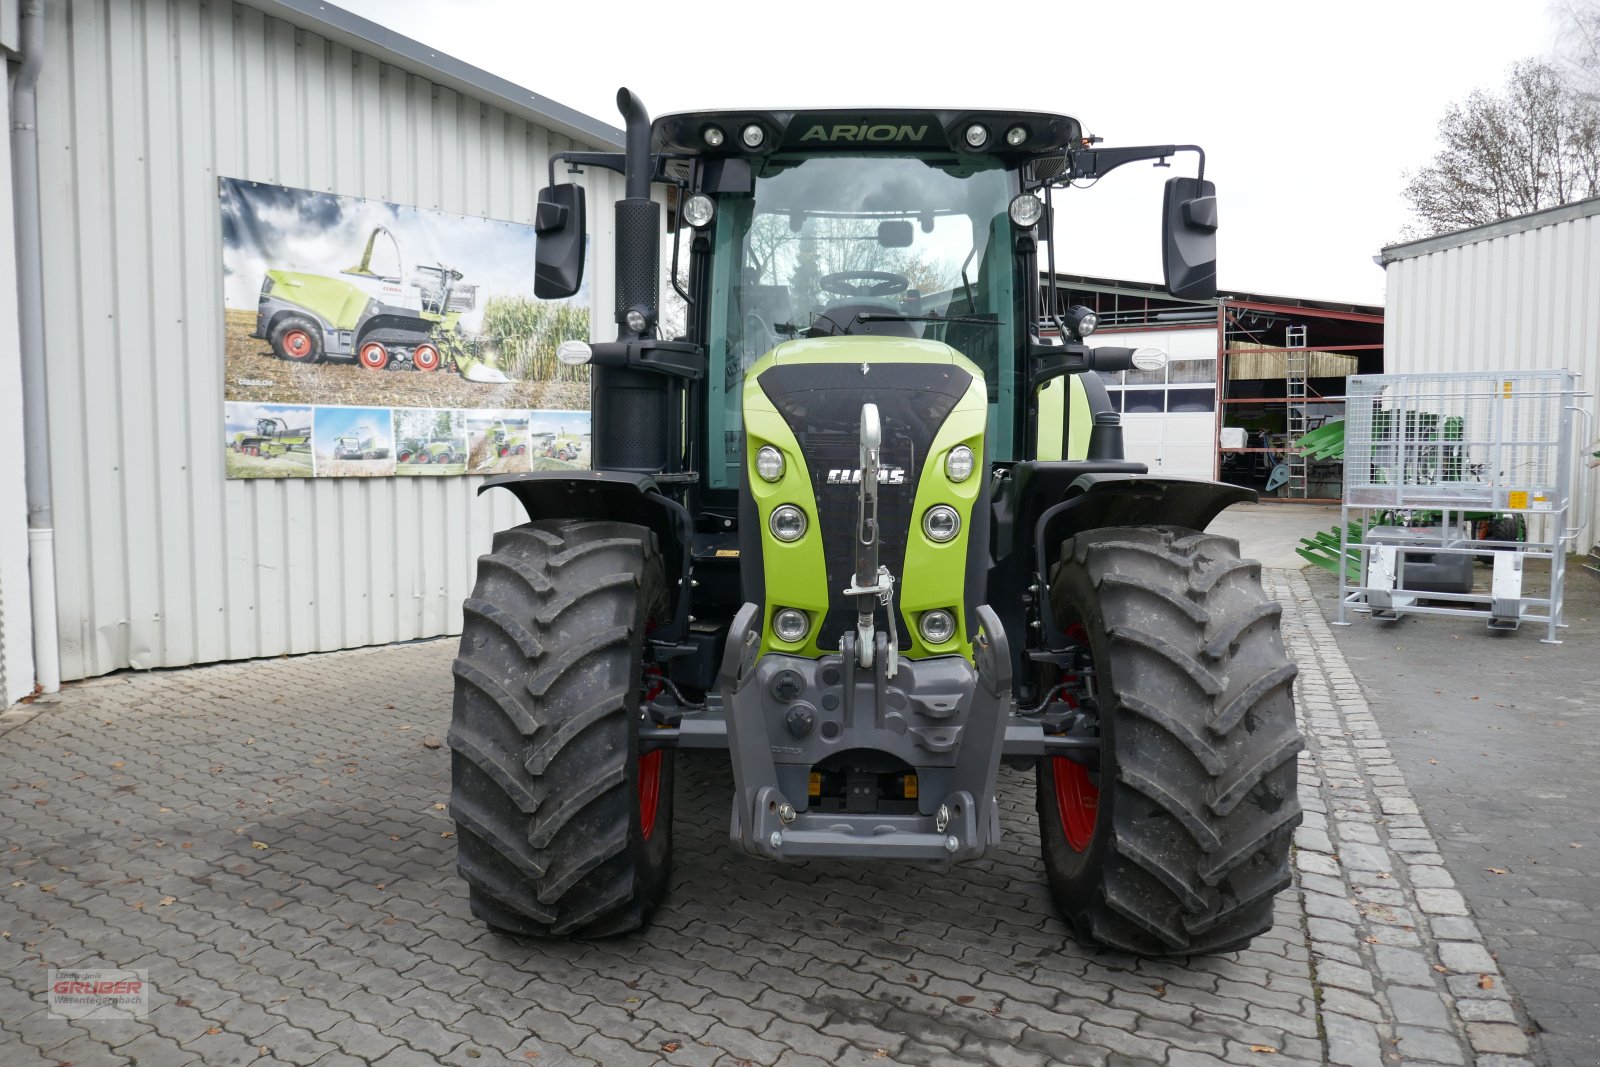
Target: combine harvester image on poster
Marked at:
341, 301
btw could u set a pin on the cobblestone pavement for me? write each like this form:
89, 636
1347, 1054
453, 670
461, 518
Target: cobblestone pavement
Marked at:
268, 840
1499, 737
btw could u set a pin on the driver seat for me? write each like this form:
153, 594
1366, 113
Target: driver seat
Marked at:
842, 319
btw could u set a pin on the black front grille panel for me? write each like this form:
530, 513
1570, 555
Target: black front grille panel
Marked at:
822, 405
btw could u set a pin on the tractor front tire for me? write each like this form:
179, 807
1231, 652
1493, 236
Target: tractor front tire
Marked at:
1177, 843
297, 339
563, 828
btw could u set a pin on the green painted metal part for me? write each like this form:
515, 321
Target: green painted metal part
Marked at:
796, 573
1054, 406
338, 304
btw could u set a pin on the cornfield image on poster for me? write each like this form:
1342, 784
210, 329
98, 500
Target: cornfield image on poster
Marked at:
430, 442
353, 442
559, 440
342, 301
497, 442
268, 440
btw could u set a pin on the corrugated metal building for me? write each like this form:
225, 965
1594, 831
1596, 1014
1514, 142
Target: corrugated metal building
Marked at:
143, 104
1518, 294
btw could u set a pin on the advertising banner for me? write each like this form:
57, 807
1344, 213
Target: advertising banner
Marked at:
367, 339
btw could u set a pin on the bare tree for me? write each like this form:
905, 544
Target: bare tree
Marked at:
1534, 145
1578, 44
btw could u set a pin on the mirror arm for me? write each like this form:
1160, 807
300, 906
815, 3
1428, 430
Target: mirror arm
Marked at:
609, 160
1098, 162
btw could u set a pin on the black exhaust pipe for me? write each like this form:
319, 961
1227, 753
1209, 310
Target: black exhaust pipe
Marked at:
638, 230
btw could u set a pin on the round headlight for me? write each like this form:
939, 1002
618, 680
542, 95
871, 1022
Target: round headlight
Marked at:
1026, 210
788, 523
1016, 135
752, 136
712, 135
698, 210
635, 320
769, 463
941, 523
1082, 320
958, 464
790, 625
977, 135
937, 626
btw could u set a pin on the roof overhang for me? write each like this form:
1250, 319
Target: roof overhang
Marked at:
362, 35
896, 131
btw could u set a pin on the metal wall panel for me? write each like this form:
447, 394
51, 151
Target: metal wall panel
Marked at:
1525, 300
161, 560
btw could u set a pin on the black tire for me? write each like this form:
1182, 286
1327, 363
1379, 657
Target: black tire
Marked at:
1197, 776
546, 772
305, 335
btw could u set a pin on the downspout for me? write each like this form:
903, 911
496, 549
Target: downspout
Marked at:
30, 329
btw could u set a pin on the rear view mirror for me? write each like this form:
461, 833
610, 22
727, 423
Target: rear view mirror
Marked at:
894, 233
1189, 238
561, 225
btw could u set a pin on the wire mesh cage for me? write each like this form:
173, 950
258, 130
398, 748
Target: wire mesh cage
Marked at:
1499, 442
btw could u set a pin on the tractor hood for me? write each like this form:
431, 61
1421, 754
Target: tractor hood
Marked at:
805, 398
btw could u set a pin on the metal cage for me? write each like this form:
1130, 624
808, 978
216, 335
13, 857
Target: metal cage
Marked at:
1430, 459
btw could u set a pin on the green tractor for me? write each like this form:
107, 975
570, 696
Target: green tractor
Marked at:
361, 444
507, 441
867, 527
273, 437
379, 321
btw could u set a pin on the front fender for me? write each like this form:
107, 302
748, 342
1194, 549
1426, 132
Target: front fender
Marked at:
616, 497
1098, 500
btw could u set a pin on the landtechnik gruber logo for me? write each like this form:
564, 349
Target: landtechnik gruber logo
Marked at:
99, 994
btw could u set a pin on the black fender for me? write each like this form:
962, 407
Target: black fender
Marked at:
1094, 501
618, 497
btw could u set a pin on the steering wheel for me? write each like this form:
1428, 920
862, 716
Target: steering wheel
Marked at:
859, 283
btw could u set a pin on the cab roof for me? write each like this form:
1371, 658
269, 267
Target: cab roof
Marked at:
899, 131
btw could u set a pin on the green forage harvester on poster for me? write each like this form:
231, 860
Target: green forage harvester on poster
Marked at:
363, 338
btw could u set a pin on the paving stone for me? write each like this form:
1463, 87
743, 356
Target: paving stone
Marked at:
297, 946
1466, 956
1432, 1046
1497, 1037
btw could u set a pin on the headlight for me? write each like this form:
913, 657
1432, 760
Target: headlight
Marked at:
941, 523
769, 463
1026, 210
1082, 321
958, 464
937, 626
1016, 135
977, 135
712, 135
698, 210
788, 523
752, 136
790, 625
635, 320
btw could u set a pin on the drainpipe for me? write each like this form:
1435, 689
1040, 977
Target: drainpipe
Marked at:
30, 322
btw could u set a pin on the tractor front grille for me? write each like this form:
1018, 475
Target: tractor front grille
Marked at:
822, 405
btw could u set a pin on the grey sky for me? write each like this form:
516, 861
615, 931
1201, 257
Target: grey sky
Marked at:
1308, 112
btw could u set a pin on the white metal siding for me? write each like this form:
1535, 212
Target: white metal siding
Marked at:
1521, 301
161, 560
16, 606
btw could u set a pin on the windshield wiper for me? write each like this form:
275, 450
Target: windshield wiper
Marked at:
893, 316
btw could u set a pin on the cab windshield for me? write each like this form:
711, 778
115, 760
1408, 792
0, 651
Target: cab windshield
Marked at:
850, 245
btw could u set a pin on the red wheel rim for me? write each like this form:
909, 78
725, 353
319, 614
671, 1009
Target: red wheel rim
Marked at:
1077, 801
297, 343
649, 790
426, 357
374, 355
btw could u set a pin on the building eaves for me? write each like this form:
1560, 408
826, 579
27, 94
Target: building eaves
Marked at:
337, 24
1488, 231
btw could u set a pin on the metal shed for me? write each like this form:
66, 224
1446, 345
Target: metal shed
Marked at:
1518, 294
143, 104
